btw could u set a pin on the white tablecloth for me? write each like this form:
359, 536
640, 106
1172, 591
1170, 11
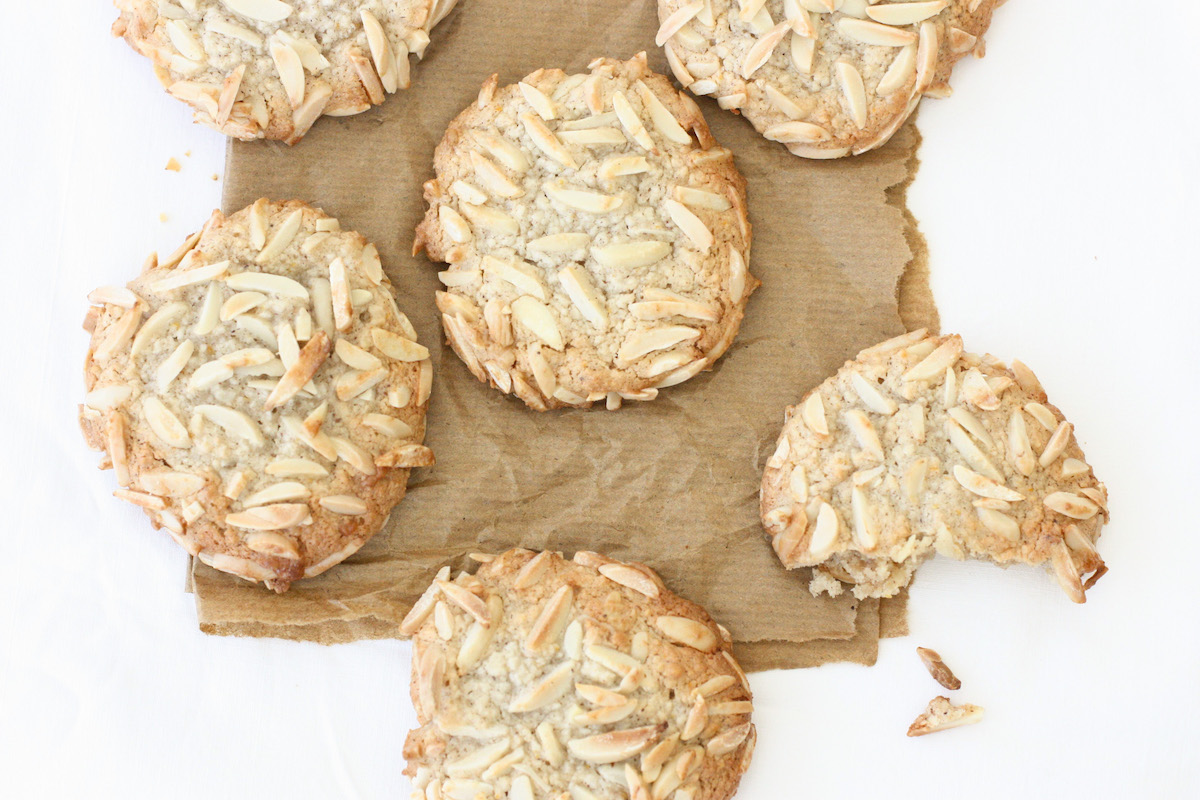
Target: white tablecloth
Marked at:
1059, 197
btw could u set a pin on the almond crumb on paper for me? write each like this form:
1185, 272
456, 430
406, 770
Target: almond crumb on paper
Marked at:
216, 177
942, 715
173, 164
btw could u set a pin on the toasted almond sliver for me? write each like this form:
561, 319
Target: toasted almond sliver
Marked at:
631, 254
631, 122
689, 223
269, 518
277, 493
397, 347
873, 33
260, 10
164, 423
664, 121
113, 295
701, 198
523, 276
354, 356
290, 69
300, 372
583, 293
295, 468
618, 166
540, 103
179, 278
343, 504
760, 53
268, 283
546, 141
583, 199
538, 319
557, 243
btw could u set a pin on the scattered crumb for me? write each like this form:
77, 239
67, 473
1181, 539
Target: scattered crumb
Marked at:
162, 217
942, 715
938, 669
187, 153
174, 165
216, 177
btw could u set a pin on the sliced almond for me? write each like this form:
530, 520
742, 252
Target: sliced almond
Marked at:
631, 122
584, 295
934, 364
301, 371
685, 631
1071, 505
546, 141
614, 746
663, 120
644, 341
269, 518
545, 691
164, 423
873, 33
295, 468
906, 13
630, 578
260, 10
345, 504
761, 51
551, 621
984, 487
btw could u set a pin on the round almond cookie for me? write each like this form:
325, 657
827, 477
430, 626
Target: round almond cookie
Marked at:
917, 447
258, 393
256, 69
539, 677
826, 78
596, 235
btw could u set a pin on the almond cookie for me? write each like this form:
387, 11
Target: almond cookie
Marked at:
256, 69
258, 393
826, 78
596, 235
539, 677
917, 447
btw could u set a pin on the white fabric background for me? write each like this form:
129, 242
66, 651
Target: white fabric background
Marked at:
1059, 198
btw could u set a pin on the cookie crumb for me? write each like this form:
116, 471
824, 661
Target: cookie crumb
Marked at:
187, 153
938, 669
215, 177
942, 715
173, 164
162, 217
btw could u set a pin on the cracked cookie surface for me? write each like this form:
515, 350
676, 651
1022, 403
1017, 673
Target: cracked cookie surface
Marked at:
258, 393
255, 69
596, 237
539, 677
916, 447
826, 78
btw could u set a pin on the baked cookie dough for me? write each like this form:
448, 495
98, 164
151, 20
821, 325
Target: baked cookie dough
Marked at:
596, 237
916, 447
255, 69
539, 677
258, 393
826, 78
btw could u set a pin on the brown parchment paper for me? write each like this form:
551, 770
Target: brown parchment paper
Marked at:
672, 483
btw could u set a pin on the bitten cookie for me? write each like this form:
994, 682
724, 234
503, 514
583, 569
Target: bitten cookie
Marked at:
539, 677
596, 235
258, 393
917, 447
255, 69
826, 78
